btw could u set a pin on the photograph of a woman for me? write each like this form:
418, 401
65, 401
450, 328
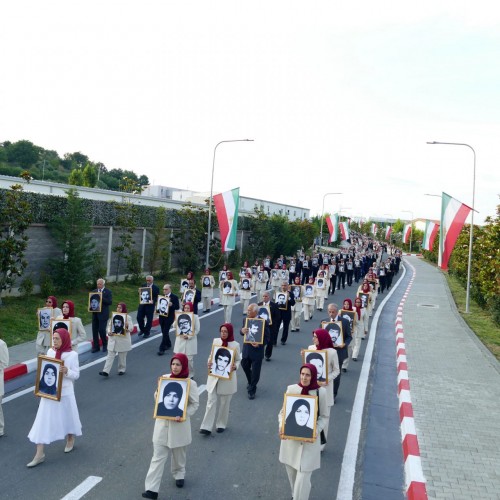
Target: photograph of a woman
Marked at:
47, 383
170, 403
296, 423
44, 317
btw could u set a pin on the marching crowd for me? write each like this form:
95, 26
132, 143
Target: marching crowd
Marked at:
288, 291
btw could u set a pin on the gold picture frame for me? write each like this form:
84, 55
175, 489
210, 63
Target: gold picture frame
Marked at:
336, 332
145, 295
300, 413
365, 298
171, 398
49, 378
116, 329
184, 323
319, 358
256, 327
351, 316
265, 313
44, 315
281, 300
95, 302
60, 323
219, 367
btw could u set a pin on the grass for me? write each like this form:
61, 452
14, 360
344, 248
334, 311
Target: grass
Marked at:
18, 314
479, 319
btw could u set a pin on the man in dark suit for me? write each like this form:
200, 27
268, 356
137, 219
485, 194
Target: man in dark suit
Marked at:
271, 324
145, 312
284, 313
100, 319
333, 315
251, 359
167, 321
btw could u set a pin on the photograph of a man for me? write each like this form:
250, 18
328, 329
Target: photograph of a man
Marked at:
95, 301
281, 300
222, 361
184, 323
255, 332
162, 306
318, 360
227, 288
245, 284
118, 324
145, 296
335, 331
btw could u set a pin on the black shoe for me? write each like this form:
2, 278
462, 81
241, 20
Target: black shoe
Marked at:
344, 370
104, 349
139, 334
298, 330
283, 343
95, 349
160, 353
121, 373
220, 429
179, 483
251, 395
146, 335
248, 387
205, 432
150, 494
268, 359
354, 359
104, 374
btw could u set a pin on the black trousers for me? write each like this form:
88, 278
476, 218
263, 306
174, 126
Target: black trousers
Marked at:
99, 330
349, 277
165, 325
341, 280
252, 367
145, 313
286, 326
357, 274
333, 283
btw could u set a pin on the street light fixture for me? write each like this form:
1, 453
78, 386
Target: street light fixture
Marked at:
211, 193
411, 226
467, 296
322, 213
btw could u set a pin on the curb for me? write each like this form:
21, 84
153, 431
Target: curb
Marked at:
414, 475
30, 365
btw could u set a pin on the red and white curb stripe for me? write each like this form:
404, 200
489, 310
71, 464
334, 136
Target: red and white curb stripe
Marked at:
414, 475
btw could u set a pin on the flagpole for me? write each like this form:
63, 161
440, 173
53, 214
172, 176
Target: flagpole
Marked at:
322, 213
469, 263
211, 195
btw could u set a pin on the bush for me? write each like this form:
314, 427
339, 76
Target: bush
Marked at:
27, 286
47, 286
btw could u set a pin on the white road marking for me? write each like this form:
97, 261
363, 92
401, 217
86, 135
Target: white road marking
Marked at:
83, 488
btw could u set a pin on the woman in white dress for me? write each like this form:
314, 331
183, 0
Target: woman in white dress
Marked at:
57, 420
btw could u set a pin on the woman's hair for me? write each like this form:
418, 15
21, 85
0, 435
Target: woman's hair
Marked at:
297, 404
52, 389
173, 387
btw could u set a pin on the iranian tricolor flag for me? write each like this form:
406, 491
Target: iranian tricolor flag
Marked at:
374, 228
406, 233
388, 231
453, 215
226, 208
333, 225
431, 229
344, 230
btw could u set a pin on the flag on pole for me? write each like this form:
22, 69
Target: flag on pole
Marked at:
374, 228
226, 208
333, 225
388, 231
407, 233
453, 215
431, 229
344, 230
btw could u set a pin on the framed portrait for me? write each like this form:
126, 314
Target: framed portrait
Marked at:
292, 268
162, 305
49, 378
60, 323
118, 323
299, 417
308, 290
222, 358
319, 359
254, 270
274, 274
184, 284
189, 295
283, 274
350, 316
260, 276
95, 302
205, 282
255, 330
334, 328
281, 299
314, 261
296, 292
267, 263
44, 315
184, 323
227, 288
321, 274
172, 397
265, 314
222, 275
365, 298
145, 295
320, 283
245, 284
243, 271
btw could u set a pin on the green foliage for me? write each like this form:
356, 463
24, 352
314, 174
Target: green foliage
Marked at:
72, 230
47, 286
26, 287
14, 219
23, 153
76, 177
158, 241
126, 221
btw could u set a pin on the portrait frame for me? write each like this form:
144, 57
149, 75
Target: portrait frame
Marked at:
299, 288
161, 412
328, 325
161, 298
287, 431
213, 355
124, 318
184, 284
224, 288
365, 298
180, 314
39, 312
352, 316
307, 287
40, 391
274, 274
261, 324
92, 296
278, 300
205, 281
320, 283
60, 323
222, 276
267, 311
149, 290
324, 356
186, 292
249, 282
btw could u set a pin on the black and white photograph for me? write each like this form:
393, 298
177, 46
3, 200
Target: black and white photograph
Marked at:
320, 283
365, 297
281, 300
245, 284
227, 288
222, 276
296, 292
118, 323
162, 305
350, 316
265, 314
320, 360
309, 290
60, 323
260, 276
184, 286
206, 281
222, 359
171, 398
184, 323
300, 413
95, 302
334, 328
49, 378
145, 295
255, 332
188, 296
44, 316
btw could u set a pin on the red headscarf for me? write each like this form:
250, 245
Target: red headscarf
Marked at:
230, 333
185, 365
65, 344
349, 301
54, 300
71, 306
207, 271
190, 275
229, 275
314, 379
358, 309
124, 307
324, 339
297, 280
311, 280
283, 267
248, 275
365, 288
190, 305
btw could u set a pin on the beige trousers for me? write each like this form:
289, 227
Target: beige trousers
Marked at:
300, 482
160, 455
122, 361
2, 422
211, 410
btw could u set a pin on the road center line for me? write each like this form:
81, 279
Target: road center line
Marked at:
83, 488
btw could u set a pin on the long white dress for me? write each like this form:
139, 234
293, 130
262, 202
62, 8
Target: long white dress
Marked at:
56, 419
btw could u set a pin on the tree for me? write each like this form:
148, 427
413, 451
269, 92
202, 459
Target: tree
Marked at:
89, 175
76, 177
159, 240
15, 218
24, 153
72, 231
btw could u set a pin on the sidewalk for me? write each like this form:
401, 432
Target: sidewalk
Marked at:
455, 391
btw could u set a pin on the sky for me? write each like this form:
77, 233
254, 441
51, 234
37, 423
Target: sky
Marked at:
337, 96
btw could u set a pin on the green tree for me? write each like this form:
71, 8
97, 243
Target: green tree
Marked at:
76, 177
89, 175
159, 241
15, 218
24, 153
125, 250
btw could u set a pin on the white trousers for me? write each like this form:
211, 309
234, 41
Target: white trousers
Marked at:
211, 411
207, 303
2, 422
228, 310
296, 320
160, 455
308, 310
122, 361
300, 482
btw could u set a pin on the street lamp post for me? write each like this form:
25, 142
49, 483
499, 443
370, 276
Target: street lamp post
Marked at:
411, 226
467, 296
211, 193
322, 213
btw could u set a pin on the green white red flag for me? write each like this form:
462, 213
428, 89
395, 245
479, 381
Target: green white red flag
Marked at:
226, 207
406, 233
374, 228
388, 231
453, 215
431, 230
333, 224
344, 230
